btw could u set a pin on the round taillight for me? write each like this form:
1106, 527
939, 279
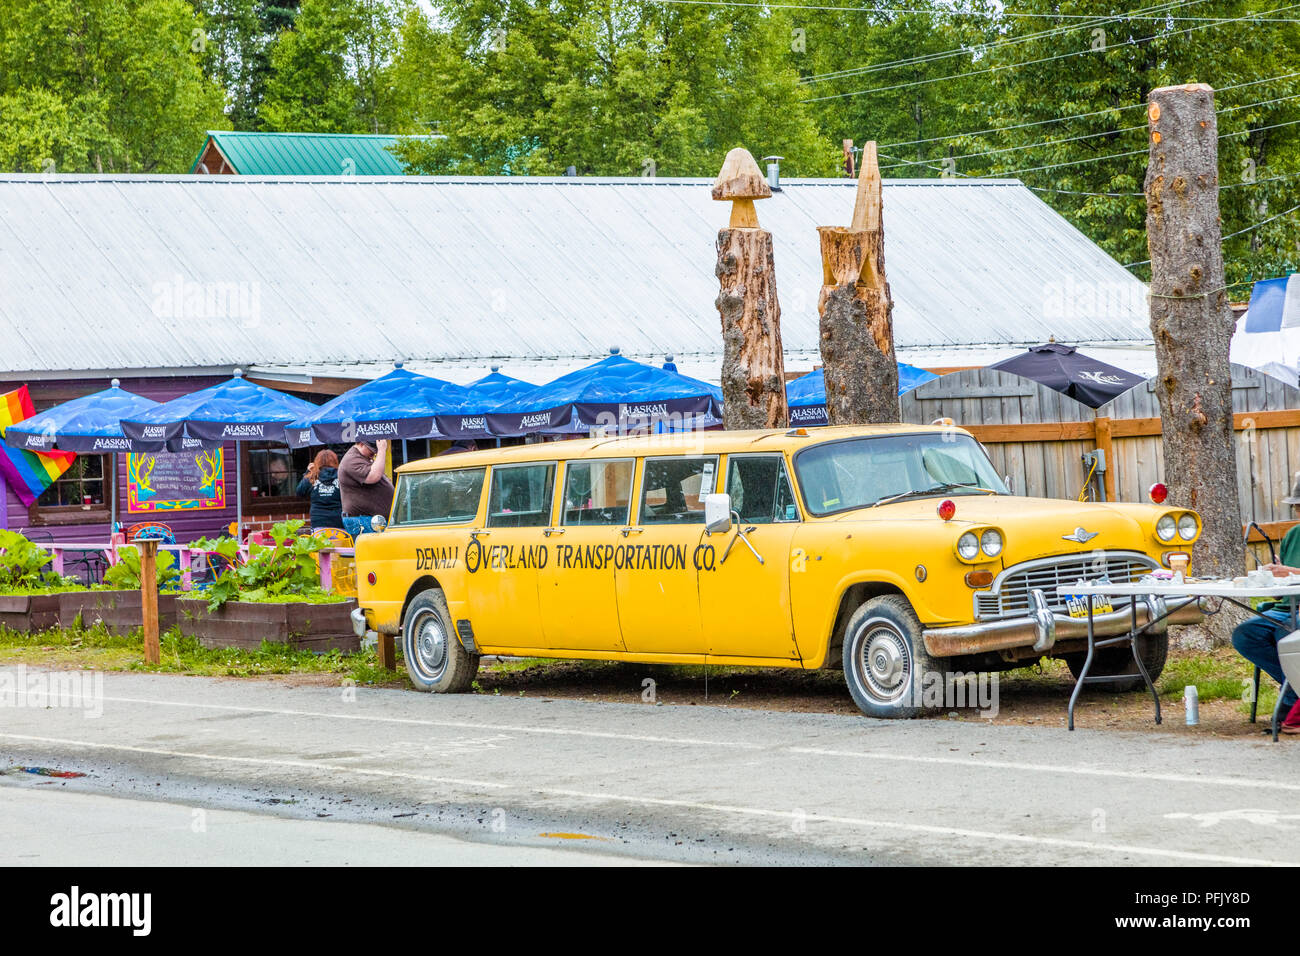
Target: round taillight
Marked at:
947, 509
370, 578
1158, 493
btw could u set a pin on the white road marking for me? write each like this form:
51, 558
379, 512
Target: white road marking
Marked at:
929, 829
265, 761
454, 724
1056, 768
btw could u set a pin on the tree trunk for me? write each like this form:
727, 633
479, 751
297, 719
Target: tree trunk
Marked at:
1191, 321
857, 328
753, 366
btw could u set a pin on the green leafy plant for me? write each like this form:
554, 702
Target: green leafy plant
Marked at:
125, 575
286, 567
22, 565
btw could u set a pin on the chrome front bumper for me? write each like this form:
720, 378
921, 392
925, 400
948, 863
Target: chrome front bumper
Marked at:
359, 625
1042, 628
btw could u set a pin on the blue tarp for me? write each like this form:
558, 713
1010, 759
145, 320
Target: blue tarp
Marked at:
398, 405
234, 410
614, 392
491, 391
91, 424
806, 395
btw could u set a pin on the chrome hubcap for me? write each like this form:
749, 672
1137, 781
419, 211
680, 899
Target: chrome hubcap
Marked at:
430, 645
885, 663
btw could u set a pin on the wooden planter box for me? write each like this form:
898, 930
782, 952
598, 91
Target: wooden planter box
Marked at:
312, 627
119, 611
29, 612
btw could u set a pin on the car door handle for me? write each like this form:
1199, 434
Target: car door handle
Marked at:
550, 531
628, 531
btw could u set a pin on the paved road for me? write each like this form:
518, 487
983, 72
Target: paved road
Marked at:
640, 782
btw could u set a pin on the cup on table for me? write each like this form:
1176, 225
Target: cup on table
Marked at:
1178, 564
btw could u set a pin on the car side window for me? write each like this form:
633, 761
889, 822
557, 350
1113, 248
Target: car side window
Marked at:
597, 492
438, 497
521, 496
760, 489
673, 489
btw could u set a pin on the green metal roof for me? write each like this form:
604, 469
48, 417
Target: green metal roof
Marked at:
306, 154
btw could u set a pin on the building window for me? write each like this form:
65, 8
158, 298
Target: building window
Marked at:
273, 471
82, 484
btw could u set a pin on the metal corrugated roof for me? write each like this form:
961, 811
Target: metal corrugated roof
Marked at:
306, 154
130, 273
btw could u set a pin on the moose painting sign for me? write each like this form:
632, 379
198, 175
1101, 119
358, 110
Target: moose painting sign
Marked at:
183, 481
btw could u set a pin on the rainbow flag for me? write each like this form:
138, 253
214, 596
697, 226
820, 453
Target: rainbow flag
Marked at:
27, 473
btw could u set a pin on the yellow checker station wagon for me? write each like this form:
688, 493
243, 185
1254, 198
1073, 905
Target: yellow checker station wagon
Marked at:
892, 551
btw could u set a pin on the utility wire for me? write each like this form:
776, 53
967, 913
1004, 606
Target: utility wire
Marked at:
1011, 66
997, 14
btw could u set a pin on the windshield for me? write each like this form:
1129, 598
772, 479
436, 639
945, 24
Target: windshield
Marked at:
861, 472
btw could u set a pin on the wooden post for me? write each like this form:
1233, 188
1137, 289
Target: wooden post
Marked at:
387, 654
1191, 322
857, 329
753, 365
1107, 447
149, 598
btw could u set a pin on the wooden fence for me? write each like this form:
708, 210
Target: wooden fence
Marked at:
1037, 437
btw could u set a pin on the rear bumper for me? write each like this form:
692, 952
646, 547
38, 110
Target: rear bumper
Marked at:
1041, 629
359, 625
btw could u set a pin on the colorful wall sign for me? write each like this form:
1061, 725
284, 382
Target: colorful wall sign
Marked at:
185, 481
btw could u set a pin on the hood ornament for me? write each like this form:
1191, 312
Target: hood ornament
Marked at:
1081, 535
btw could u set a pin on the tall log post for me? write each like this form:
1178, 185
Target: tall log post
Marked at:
753, 365
857, 328
1190, 320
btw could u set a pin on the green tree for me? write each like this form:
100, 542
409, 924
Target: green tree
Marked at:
613, 87
241, 34
333, 71
121, 86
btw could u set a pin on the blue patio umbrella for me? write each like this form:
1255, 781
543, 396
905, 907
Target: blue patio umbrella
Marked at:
806, 395
612, 392
235, 410
91, 424
485, 394
399, 405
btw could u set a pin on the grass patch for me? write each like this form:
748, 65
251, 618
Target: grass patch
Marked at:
99, 648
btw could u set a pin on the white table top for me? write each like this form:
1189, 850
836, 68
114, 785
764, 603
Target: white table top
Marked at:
1208, 588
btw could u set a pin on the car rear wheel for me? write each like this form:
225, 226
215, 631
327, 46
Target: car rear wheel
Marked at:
885, 659
436, 661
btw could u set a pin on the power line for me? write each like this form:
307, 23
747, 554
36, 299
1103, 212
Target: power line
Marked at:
983, 47
1231, 235
1063, 119
999, 44
1011, 66
997, 14
1086, 136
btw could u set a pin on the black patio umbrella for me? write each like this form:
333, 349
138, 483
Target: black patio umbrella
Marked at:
1068, 371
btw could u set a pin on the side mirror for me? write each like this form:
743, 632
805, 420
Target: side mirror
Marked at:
378, 523
717, 513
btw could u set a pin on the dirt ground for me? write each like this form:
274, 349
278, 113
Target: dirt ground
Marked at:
1027, 697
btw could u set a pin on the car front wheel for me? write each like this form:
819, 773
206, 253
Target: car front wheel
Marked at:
885, 661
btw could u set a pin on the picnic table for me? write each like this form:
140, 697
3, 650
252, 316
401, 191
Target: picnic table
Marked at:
1192, 588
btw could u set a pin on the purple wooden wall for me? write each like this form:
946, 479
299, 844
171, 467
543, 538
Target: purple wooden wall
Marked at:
187, 525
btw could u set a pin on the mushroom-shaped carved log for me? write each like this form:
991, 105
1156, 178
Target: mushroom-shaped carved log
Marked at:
741, 181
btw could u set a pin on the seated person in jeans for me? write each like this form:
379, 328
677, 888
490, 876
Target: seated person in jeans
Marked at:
1256, 639
366, 490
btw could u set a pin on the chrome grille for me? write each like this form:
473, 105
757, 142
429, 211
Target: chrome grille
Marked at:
1009, 594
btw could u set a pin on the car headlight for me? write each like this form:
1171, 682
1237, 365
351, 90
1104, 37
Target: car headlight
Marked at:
991, 542
968, 546
1187, 527
1166, 528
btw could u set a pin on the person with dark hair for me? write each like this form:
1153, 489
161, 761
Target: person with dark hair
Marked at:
366, 489
321, 485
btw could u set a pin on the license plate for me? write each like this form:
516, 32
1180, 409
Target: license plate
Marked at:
1077, 605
